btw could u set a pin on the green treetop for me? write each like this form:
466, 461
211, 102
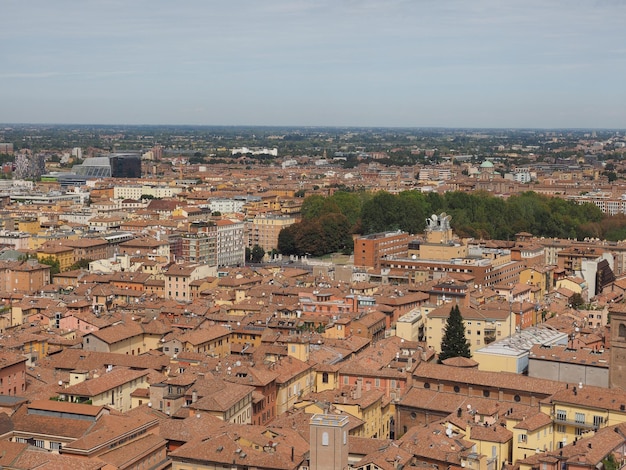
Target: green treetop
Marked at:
454, 342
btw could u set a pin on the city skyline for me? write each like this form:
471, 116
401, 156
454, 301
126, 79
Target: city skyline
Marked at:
489, 64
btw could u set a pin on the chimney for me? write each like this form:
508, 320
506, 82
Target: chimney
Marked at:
359, 388
194, 396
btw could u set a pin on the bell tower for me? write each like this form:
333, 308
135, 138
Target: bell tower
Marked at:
617, 367
329, 442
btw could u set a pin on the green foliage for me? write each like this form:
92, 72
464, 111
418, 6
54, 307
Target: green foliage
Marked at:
328, 234
454, 342
577, 300
255, 255
478, 215
609, 462
55, 265
81, 264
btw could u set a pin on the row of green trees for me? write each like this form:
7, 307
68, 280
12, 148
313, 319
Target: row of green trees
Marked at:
328, 223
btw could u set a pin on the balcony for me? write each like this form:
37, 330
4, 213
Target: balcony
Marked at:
577, 424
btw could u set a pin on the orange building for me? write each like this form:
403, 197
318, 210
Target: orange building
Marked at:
370, 249
12, 374
23, 276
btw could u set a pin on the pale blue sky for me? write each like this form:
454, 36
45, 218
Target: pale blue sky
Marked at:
448, 63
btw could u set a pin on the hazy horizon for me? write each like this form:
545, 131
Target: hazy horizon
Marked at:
487, 64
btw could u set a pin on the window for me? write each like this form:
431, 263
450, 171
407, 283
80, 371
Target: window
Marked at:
580, 418
324, 377
561, 415
486, 393
560, 428
55, 445
39, 443
522, 438
598, 421
324, 438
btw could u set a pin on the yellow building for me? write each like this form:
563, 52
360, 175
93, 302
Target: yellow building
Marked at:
366, 406
63, 254
439, 251
482, 327
122, 338
35, 242
579, 409
529, 434
538, 276
410, 326
337, 329
35, 347
31, 226
213, 342
112, 389
296, 379
298, 349
326, 377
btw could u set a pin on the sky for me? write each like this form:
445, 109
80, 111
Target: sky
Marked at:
387, 63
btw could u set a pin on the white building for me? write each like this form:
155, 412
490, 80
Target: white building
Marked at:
231, 249
135, 191
226, 206
257, 151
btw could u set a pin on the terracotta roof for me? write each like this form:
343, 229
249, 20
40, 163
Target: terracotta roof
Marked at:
65, 428
65, 407
493, 380
118, 332
48, 461
110, 429
203, 335
534, 422
108, 381
248, 445
589, 396
125, 455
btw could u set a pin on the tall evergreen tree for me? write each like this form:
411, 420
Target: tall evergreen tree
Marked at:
454, 342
